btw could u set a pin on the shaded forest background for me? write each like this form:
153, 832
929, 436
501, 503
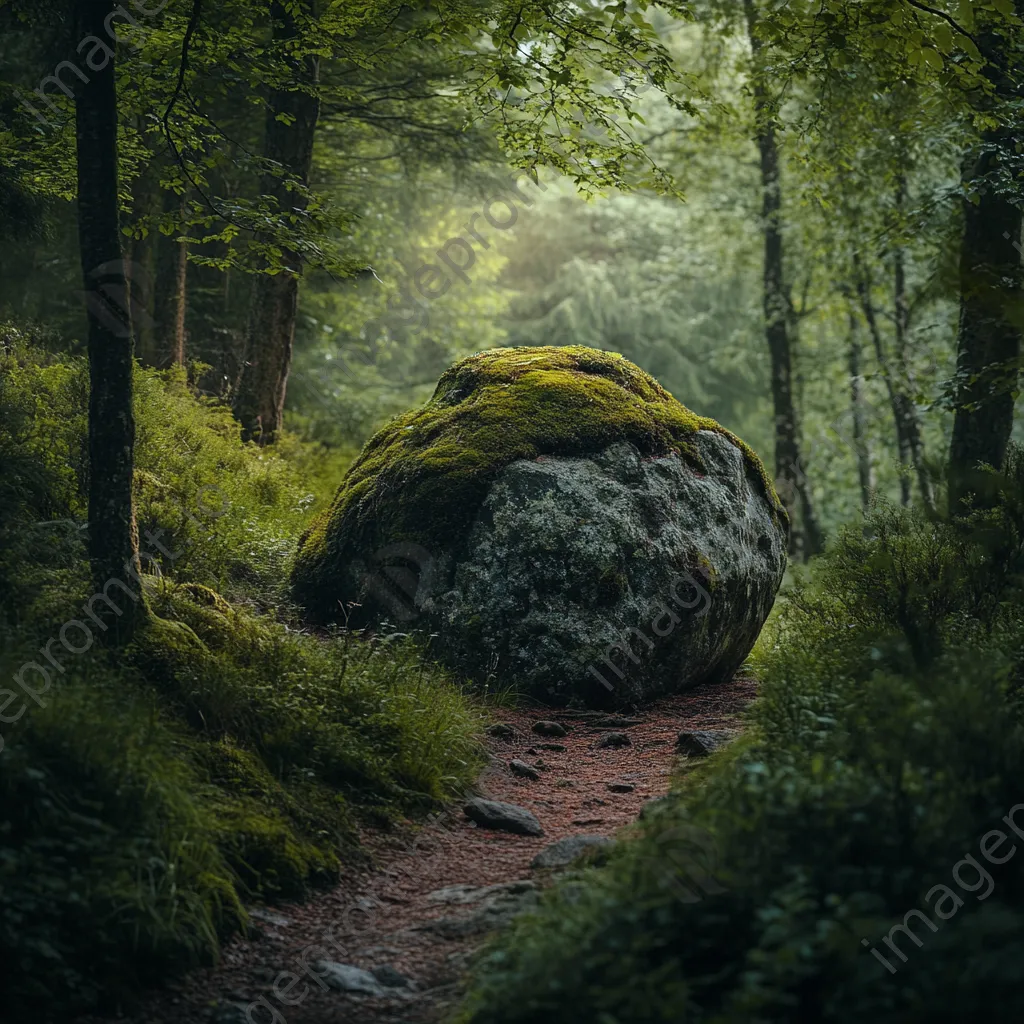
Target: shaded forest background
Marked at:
872, 115
240, 236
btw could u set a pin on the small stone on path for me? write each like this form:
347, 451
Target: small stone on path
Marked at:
702, 743
523, 770
502, 731
503, 817
613, 739
621, 787
563, 852
348, 978
545, 728
269, 917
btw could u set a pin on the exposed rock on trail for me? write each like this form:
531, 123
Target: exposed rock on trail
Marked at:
564, 852
702, 743
504, 817
612, 739
559, 522
546, 728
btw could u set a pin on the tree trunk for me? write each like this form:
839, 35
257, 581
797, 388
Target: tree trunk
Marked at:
909, 417
904, 412
865, 471
988, 342
270, 332
171, 288
143, 258
805, 538
113, 540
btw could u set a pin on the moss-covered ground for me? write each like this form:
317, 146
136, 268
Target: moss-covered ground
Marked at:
225, 756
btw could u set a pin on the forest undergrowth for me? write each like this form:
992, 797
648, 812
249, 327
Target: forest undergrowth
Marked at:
227, 756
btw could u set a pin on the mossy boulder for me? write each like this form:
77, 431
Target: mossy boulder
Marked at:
535, 511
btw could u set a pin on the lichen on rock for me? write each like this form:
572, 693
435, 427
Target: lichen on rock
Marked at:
420, 479
534, 509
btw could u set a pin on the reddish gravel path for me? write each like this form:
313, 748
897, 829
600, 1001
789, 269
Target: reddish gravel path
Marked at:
377, 917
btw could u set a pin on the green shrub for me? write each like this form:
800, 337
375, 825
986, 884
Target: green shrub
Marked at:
231, 510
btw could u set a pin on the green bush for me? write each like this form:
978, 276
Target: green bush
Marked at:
232, 510
886, 742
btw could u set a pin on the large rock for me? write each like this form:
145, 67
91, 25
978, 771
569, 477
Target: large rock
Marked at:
560, 522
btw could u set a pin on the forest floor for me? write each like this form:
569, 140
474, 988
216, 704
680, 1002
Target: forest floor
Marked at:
425, 905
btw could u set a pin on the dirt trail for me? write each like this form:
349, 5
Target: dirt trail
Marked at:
387, 918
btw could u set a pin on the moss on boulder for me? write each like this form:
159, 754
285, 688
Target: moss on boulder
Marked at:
422, 479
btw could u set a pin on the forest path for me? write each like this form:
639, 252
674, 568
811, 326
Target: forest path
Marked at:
387, 920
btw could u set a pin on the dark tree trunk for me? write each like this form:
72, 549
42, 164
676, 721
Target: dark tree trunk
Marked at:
988, 342
270, 332
865, 471
805, 537
113, 540
171, 288
907, 412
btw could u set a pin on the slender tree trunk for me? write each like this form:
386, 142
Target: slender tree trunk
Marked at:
142, 257
113, 539
171, 289
805, 537
903, 411
270, 332
988, 341
909, 416
865, 470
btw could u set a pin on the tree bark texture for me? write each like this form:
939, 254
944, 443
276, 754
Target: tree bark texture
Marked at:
170, 289
113, 540
865, 470
270, 332
988, 338
805, 537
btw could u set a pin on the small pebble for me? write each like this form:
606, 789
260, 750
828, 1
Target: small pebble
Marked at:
545, 728
523, 770
613, 739
502, 731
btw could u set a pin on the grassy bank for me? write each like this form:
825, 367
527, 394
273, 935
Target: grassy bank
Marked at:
225, 756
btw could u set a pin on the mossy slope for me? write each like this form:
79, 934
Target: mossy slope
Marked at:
221, 757
421, 478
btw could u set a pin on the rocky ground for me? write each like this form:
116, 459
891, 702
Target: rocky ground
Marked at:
390, 944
